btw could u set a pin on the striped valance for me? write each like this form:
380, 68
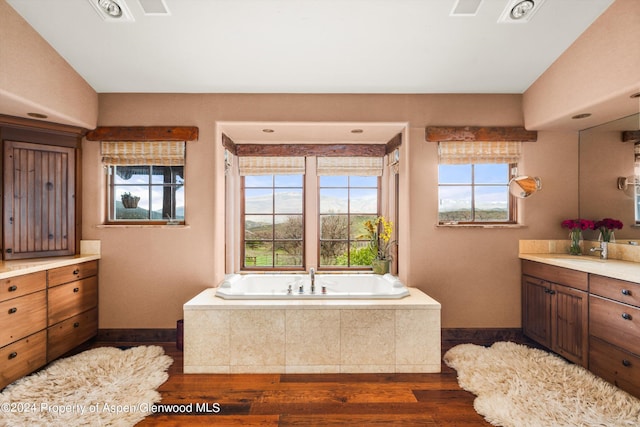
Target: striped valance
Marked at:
159, 153
268, 165
466, 152
355, 166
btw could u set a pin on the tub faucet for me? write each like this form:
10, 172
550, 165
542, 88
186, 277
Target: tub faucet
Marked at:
312, 276
603, 249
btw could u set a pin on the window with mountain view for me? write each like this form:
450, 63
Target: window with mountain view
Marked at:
475, 193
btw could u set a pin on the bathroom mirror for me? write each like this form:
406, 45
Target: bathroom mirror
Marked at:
603, 158
524, 186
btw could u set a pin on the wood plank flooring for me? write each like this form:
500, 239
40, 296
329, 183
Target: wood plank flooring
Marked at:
312, 400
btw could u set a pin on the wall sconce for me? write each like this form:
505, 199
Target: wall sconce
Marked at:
627, 184
524, 186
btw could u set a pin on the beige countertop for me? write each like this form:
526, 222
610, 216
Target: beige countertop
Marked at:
617, 269
25, 266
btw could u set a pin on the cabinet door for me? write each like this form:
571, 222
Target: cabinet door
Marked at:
569, 314
39, 207
536, 310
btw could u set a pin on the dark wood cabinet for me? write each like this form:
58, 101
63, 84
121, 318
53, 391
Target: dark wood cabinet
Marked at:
555, 309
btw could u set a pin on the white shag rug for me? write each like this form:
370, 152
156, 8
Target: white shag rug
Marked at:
99, 387
519, 386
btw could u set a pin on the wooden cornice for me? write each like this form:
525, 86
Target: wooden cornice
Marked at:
326, 150
143, 133
229, 144
631, 136
31, 124
394, 143
479, 133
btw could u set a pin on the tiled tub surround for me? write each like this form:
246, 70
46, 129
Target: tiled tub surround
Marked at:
311, 336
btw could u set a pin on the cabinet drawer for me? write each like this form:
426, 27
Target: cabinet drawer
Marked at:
615, 365
22, 357
614, 322
18, 286
619, 290
564, 276
22, 316
60, 275
66, 335
72, 298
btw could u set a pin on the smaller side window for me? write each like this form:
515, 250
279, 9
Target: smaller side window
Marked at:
476, 193
146, 194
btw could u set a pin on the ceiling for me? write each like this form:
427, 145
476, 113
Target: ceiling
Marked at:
310, 46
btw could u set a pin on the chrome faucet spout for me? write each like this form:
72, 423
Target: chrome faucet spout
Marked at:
312, 276
603, 249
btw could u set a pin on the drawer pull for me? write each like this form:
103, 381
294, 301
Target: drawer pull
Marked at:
626, 316
13, 288
626, 362
76, 324
76, 271
13, 355
13, 310
76, 290
626, 292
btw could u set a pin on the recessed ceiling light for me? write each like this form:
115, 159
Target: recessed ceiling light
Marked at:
521, 9
635, 95
37, 115
356, 131
268, 130
112, 10
581, 116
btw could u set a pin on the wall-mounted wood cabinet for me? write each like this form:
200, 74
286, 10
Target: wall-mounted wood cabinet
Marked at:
40, 185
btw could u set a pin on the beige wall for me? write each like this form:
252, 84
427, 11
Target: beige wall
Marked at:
35, 78
595, 75
147, 274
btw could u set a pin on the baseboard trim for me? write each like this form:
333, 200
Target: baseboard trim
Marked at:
136, 335
481, 335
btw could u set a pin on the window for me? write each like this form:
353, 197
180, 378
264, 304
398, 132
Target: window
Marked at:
146, 181
475, 193
345, 203
146, 193
273, 221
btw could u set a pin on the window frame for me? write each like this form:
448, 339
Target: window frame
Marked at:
111, 201
512, 209
274, 267
348, 214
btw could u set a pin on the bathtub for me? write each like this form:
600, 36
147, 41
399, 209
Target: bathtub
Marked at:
298, 286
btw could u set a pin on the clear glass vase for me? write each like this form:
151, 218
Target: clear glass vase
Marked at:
575, 242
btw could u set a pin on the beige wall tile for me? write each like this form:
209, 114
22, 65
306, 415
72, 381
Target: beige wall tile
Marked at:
312, 337
256, 338
367, 337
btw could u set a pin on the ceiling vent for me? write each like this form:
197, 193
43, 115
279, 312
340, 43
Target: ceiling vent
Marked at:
112, 10
520, 11
466, 8
154, 7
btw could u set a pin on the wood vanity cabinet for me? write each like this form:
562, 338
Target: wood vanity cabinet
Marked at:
23, 316
44, 315
614, 331
72, 315
555, 309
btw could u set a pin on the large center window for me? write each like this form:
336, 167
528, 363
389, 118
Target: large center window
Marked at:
345, 203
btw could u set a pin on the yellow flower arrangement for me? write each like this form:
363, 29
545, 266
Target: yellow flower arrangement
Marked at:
379, 233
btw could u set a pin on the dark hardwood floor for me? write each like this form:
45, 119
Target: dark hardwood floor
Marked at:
312, 400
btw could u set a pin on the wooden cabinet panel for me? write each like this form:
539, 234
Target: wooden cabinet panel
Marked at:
72, 298
619, 290
18, 286
615, 365
564, 276
70, 333
536, 310
22, 357
614, 322
39, 200
22, 316
570, 311
58, 276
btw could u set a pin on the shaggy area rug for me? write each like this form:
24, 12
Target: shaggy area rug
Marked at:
519, 386
102, 386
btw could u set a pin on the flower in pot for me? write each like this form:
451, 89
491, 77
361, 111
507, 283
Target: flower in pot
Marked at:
129, 201
379, 232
